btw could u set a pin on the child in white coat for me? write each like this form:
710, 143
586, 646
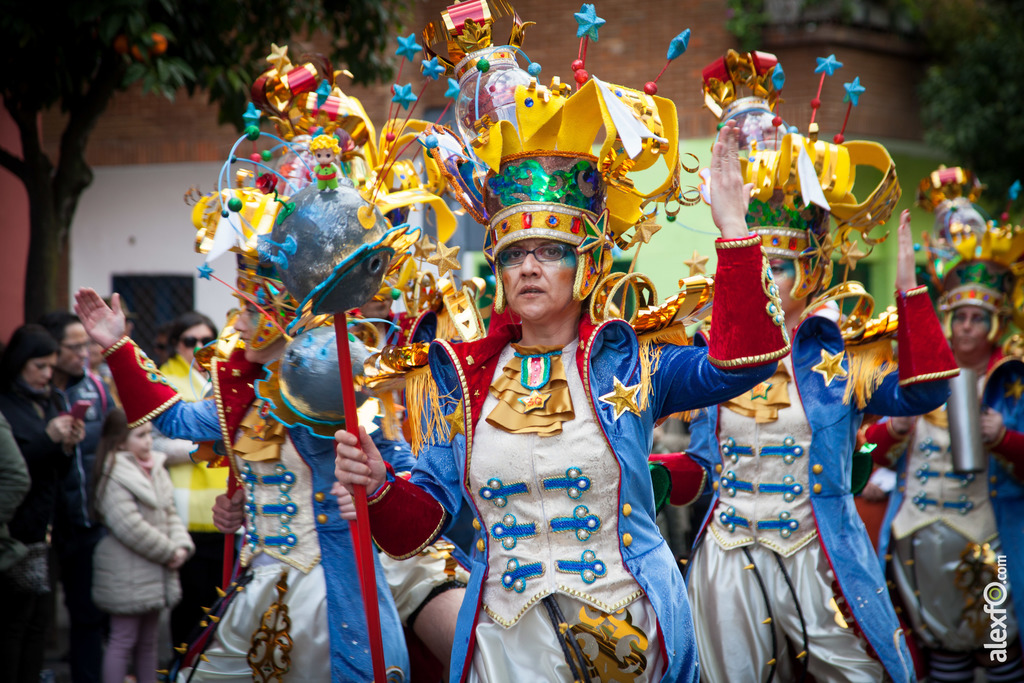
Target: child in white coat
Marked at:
136, 564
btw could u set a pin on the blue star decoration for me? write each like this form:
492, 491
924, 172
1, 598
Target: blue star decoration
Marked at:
404, 96
408, 47
431, 69
588, 22
778, 77
205, 271
453, 89
251, 117
828, 65
853, 91
678, 45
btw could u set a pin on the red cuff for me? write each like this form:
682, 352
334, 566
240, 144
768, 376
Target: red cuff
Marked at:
405, 519
688, 478
924, 353
1010, 451
747, 322
144, 392
886, 442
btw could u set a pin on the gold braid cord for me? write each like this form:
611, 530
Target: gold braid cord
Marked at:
269, 656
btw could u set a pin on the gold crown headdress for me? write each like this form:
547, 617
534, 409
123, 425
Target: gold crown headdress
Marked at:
973, 261
525, 166
800, 181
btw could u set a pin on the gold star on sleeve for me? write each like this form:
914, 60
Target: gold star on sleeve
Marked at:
830, 366
456, 422
622, 398
445, 258
1015, 389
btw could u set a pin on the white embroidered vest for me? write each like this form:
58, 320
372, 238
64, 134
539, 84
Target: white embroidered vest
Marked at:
764, 489
549, 507
933, 492
278, 510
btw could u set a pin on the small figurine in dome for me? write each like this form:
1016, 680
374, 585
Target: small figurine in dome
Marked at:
326, 150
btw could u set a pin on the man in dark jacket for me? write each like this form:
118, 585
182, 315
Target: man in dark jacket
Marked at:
75, 534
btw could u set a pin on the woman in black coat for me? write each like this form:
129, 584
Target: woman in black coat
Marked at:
47, 436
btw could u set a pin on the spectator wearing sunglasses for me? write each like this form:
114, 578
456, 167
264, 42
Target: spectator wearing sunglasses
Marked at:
189, 331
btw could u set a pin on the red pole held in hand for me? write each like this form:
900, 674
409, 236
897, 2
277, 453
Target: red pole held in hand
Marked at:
360, 528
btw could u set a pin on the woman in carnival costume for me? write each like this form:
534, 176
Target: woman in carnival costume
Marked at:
953, 539
296, 612
782, 579
543, 428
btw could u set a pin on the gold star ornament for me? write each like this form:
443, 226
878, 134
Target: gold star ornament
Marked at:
851, 254
445, 258
697, 264
623, 398
278, 58
1015, 389
830, 366
424, 247
456, 422
534, 401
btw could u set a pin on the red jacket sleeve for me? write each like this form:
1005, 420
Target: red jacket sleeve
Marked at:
924, 353
404, 519
748, 326
888, 445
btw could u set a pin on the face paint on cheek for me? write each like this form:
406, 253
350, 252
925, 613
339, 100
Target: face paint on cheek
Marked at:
569, 260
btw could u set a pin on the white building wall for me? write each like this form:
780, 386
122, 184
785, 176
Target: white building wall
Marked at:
133, 220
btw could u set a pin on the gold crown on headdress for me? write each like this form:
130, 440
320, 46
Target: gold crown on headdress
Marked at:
740, 75
945, 184
467, 28
973, 261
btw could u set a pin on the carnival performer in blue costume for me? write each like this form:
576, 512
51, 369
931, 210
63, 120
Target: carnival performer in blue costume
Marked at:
953, 539
543, 427
782, 571
297, 549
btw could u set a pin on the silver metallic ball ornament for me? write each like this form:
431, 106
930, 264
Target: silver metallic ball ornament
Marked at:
309, 380
327, 256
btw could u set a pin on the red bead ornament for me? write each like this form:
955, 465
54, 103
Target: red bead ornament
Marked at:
390, 137
577, 64
838, 139
777, 121
581, 76
255, 156
651, 88
815, 103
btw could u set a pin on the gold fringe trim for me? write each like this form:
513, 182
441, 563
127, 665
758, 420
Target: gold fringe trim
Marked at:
389, 422
650, 356
869, 365
424, 403
726, 243
446, 327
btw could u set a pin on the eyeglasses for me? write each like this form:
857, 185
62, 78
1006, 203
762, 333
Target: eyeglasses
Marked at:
545, 253
193, 342
81, 347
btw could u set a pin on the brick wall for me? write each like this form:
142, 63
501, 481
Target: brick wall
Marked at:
141, 129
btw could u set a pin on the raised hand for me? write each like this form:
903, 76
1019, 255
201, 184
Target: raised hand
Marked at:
905, 276
104, 324
729, 196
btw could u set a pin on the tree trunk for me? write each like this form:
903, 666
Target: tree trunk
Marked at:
47, 244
